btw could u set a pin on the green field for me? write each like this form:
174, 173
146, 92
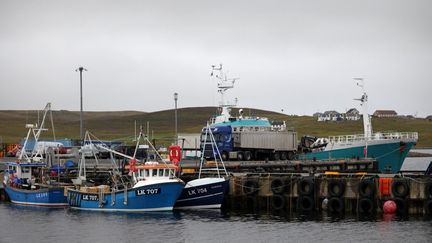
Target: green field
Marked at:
120, 125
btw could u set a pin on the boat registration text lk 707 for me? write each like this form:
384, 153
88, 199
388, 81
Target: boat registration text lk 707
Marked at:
148, 191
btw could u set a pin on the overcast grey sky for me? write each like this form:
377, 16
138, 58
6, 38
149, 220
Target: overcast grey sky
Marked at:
299, 56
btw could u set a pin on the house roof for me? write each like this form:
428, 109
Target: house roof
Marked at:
352, 110
385, 112
331, 113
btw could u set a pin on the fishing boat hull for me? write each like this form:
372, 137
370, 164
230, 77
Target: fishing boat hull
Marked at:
155, 197
43, 197
390, 154
205, 193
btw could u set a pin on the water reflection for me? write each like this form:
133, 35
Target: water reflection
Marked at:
31, 224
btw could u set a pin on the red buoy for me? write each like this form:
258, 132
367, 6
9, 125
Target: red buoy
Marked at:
389, 207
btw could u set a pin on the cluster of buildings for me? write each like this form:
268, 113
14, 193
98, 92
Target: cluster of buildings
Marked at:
351, 115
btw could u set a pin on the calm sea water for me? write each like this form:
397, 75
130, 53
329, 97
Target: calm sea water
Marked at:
65, 225
28, 224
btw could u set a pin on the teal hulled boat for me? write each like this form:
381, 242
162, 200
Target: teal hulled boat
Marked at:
389, 149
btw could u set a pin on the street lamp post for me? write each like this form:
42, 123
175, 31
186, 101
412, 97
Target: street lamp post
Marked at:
175, 101
81, 69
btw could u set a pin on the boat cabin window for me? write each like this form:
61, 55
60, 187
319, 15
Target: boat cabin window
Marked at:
12, 168
154, 173
146, 173
25, 169
140, 173
161, 172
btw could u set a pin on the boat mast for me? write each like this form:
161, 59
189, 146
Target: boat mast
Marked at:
224, 84
35, 130
367, 124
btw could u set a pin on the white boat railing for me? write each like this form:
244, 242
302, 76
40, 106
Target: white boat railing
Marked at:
375, 136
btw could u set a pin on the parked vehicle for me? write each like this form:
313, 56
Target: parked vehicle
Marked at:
249, 143
246, 137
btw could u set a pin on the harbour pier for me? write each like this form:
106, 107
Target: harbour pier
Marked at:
335, 186
360, 193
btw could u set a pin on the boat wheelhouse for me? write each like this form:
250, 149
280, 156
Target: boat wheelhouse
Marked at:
152, 172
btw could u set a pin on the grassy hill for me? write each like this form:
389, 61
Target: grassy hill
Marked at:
120, 124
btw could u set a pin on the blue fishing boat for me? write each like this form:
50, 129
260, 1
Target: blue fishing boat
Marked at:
206, 192
156, 189
150, 186
389, 149
23, 185
27, 180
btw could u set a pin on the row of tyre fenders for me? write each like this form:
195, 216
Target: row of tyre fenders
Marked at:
335, 202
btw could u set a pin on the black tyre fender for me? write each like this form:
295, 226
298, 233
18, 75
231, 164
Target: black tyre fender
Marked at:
400, 188
336, 188
305, 203
366, 188
250, 187
306, 186
277, 186
336, 205
365, 206
278, 202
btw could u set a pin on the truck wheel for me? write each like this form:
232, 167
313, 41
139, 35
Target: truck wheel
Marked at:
248, 155
290, 155
240, 156
284, 156
224, 156
276, 156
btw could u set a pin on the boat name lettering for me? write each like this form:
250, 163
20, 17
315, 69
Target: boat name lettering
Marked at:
87, 197
197, 191
43, 194
148, 191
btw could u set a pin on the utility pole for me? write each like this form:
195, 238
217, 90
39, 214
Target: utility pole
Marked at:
81, 69
175, 101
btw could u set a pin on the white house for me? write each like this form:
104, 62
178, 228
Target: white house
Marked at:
351, 115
